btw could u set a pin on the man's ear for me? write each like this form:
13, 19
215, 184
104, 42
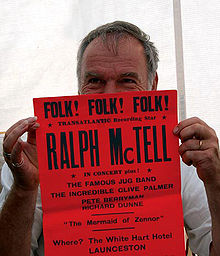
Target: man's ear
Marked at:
155, 82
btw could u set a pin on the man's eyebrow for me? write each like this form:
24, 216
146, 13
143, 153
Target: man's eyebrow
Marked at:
89, 74
127, 74
131, 74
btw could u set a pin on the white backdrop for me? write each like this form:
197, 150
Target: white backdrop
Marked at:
39, 40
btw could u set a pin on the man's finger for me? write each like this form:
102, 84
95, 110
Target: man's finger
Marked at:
29, 119
188, 122
197, 131
193, 157
200, 157
32, 133
16, 156
13, 136
193, 144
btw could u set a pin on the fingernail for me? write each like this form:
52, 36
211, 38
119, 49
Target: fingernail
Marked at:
176, 129
32, 119
35, 126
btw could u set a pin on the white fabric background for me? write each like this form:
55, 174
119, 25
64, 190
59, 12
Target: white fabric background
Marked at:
201, 37
39, 40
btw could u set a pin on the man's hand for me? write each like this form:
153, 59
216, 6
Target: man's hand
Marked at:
17, 213
21, 156
200, 148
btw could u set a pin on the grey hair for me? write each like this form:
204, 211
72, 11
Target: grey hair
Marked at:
120, 28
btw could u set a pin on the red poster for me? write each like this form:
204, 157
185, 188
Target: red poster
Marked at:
110, 174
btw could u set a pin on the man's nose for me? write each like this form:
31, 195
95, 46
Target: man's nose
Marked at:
110, 87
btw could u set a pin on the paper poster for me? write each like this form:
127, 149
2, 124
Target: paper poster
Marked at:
110, 174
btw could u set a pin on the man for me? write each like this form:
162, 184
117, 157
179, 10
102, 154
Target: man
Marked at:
116, 57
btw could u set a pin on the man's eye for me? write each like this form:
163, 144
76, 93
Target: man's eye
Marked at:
95, 81
128, 81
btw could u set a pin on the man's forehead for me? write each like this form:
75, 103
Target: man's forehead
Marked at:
112, 45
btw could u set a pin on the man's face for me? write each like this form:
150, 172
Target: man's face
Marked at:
104, 71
